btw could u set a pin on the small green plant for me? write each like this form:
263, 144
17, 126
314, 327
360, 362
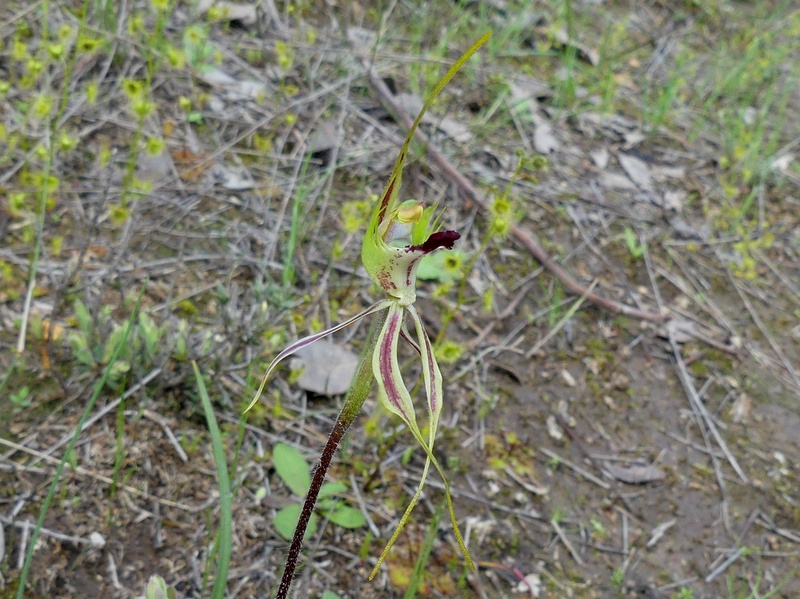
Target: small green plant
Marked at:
157, 589
94, 340
684, 593
21, 397
617, 578
295, 472
598, 528
635, 247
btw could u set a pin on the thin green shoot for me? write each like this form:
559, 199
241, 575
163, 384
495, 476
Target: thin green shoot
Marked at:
224, 538
48, 165
299, 201
119, 452
567, 92
635, 246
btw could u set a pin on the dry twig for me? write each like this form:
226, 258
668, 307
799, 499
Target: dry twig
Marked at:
520, 233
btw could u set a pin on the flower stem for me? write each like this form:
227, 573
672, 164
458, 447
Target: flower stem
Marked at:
353, 401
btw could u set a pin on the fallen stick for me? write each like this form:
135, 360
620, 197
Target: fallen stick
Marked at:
520, 233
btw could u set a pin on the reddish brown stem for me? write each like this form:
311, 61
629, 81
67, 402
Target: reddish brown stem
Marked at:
339, 429
353, 401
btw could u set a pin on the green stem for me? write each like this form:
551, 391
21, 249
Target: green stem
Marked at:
353, 401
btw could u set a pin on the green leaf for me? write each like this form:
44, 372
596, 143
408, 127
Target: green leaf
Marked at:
330, 489
113, 342
150, 333
292, 467
83, 317
22, 397
224, 538
286, 521
330, 595
80, 347
347, 517
634, 247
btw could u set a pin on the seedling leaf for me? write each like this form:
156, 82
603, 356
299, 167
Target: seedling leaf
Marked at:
330, 489
286, 521
347, 517
292, 467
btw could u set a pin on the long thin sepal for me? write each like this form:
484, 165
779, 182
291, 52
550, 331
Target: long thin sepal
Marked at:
411, 505
448, 496
306, 341
432, 379
434, 391
392, 188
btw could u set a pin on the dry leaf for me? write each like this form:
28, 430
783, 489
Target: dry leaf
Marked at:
327, 368
186, 158
523, 87
637, 170
544, 141
741, 409
635, 474
590, 55
679, 330
456, 130
360, 38
326, 138
673, 200
553, 429
781, 164
232, 177
600, 158
616, 181
568, 378
236, 89
530, 584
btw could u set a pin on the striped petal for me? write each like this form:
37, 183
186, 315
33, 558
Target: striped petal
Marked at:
395, 396
432, 378
306, 341
392, 391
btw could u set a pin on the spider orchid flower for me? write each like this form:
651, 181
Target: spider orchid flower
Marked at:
398, 236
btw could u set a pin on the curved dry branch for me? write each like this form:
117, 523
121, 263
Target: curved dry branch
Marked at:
521, 234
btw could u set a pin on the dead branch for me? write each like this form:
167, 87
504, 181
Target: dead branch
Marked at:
521, 234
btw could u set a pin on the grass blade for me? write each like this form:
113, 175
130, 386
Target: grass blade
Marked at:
225, 531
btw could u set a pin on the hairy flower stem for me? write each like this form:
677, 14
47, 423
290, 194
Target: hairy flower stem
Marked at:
353, 401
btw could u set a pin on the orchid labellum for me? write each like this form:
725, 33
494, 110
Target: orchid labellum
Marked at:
399, 235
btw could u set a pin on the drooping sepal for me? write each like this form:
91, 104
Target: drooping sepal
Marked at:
306, 341
395, 396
